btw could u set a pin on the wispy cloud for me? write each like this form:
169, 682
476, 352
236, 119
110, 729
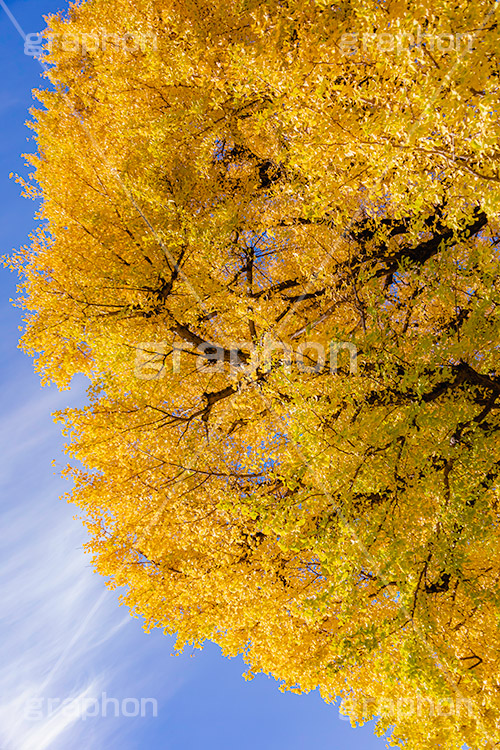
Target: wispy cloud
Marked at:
60, 619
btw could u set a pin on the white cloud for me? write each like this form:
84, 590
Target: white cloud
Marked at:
60, 620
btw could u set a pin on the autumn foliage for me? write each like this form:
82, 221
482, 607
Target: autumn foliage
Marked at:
251, 172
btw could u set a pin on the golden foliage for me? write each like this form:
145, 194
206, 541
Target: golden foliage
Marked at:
246, 172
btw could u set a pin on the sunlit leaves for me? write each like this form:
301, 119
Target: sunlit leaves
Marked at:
241, 177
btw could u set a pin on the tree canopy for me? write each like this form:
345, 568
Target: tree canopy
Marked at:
270, 239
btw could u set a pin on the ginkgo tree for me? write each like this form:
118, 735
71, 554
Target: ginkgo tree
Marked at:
269, 237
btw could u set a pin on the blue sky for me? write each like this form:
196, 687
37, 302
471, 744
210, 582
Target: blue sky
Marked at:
63, 636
